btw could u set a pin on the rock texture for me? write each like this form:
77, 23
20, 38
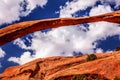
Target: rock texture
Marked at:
12, 32
107, 66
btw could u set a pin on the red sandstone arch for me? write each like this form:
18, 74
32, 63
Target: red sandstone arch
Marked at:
14, 31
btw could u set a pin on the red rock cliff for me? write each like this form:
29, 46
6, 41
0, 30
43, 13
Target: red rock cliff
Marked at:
105, 67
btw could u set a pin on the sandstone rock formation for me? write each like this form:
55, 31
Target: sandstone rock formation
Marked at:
12, 32
105, 67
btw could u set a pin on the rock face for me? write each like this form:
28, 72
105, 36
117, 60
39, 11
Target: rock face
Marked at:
105, 67
12, 32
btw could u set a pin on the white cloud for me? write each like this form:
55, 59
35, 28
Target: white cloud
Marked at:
11, 11
20, 43
99, 50
14, 59
74, 6
32, 4
101, 9
25, 57
64, 41
2, 53
116, 2
77, 5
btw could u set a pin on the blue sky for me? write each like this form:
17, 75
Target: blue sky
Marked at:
64, 41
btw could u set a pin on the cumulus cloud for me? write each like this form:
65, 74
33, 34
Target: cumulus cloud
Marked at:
101, 9
28, 5
65, 40
11, 11
116, 2
26, 57
77, 5
21, 43
74, 6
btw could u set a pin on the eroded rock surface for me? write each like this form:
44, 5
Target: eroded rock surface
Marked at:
105, 67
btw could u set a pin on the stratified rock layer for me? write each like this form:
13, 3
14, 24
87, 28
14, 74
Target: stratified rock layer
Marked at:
63, 68
12, 32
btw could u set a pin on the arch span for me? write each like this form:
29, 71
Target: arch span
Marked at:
17, 30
